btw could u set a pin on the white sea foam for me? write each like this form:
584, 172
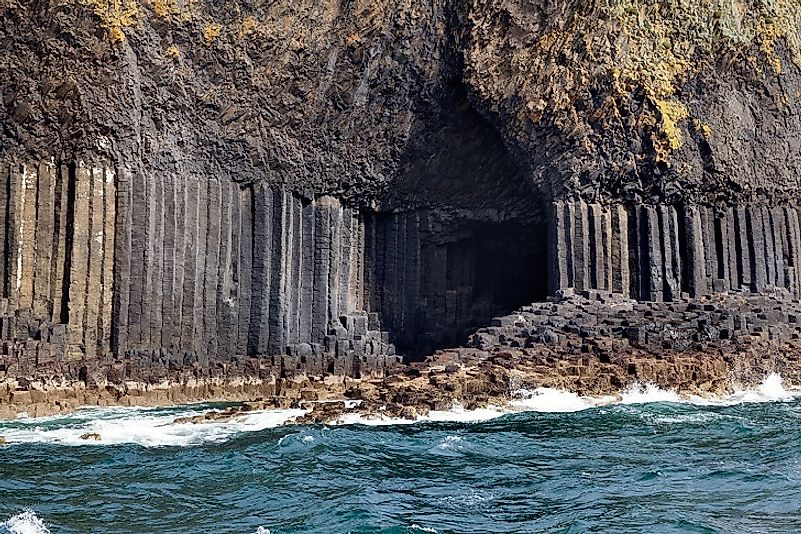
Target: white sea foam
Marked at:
553, 400
772, 389
459, 414
549, 400
354, 418
648, 393
450, 442
688, 418
147, 427
155, 427
26, 522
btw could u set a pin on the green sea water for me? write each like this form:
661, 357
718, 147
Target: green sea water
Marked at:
647, 464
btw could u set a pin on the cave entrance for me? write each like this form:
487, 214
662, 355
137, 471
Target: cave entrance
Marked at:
511, 264
459, 238
434, 281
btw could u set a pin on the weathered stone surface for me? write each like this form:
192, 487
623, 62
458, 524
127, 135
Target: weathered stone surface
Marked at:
591, 346
294, 189
379, 89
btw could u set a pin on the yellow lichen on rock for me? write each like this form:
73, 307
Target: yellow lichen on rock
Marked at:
163, 8
249, 26
118, 15
564, 58
703, 128
669, 41
115, 15
780, 20
211, 32
670, 114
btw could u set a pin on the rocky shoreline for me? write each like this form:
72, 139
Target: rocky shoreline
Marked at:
474, 380
271, 202
592, 344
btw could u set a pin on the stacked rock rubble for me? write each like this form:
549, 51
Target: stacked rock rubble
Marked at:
709, 323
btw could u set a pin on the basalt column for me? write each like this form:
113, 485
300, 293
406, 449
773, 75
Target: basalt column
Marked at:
219, 270
433, 278
661, 252
57, 241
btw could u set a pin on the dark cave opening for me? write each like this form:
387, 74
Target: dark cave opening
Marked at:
459, 239
511, 264
432, 289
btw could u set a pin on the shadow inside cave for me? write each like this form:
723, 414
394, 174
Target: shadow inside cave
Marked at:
459, 239
433, 288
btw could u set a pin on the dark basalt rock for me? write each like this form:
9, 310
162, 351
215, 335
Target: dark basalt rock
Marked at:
416, 103
196, 193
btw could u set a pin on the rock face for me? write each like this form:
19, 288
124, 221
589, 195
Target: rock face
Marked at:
661, 252
203, 191
629, 98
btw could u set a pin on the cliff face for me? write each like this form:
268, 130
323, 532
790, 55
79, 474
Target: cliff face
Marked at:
305, 186
324, 97
644, 100
630, 98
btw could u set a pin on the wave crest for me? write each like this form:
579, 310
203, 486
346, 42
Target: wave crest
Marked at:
156, 427
26, 522
148, 427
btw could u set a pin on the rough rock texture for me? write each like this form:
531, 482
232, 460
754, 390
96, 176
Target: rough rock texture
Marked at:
194, 190
642, 99
591, 345
630, 97
324, 97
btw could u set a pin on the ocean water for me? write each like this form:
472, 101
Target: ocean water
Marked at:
648, 461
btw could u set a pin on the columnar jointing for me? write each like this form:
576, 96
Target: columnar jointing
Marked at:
57, 241
433, 279
223, 270
199, 269
661, 252
182, 269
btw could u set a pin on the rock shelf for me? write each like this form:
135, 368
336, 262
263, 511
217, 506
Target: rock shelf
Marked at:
583, 344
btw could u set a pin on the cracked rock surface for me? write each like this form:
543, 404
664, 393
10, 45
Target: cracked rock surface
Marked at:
633, 99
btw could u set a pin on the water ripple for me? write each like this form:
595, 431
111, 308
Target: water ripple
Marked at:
654, 467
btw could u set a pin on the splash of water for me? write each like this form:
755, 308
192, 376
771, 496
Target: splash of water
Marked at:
553, 400
147, 427
156, 427
770, 390
648, 393
26, 522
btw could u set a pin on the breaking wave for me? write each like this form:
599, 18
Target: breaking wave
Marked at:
149, 427
553, 400
156, 427
647, 455
550, 400
26, 522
